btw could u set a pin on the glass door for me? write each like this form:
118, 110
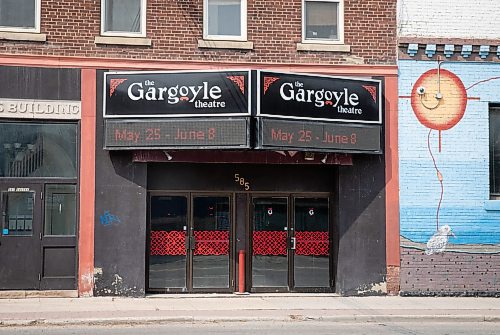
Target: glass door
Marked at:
210, 236
311, 243
190, 243
168, 242
269, 242
290, 247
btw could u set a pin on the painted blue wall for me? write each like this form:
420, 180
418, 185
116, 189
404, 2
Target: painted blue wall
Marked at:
463, 161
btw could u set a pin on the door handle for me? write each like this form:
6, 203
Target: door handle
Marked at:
293, 243
192, 242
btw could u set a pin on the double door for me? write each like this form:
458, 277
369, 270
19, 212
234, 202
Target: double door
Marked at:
287, 239
291, 244
190, 243
38, 236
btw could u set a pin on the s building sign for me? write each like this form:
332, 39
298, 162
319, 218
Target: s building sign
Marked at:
323, 98
176, 94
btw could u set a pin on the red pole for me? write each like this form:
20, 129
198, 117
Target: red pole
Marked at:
241, 272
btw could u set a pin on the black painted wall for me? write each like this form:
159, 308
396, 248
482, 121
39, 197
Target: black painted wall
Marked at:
121, 192
120, 218
40, 83
361, 267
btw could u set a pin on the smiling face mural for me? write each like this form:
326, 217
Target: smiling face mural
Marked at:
438, 99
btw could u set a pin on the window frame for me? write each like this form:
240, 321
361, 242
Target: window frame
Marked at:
340, 24
493, 109
243, 27
141, 33
36, 29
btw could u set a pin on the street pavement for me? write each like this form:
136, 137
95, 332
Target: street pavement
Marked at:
165, 309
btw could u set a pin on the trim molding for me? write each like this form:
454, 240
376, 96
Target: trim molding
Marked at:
216, 44
392, 173
323, 47
87, 184
27, 37
143, 64
120, 40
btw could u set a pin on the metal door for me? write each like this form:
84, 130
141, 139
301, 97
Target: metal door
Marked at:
20, 236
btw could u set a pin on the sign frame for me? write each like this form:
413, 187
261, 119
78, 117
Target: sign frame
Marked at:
261, 146
179, 115
177, 147
263, 114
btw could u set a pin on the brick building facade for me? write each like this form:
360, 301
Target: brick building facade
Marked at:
116, 188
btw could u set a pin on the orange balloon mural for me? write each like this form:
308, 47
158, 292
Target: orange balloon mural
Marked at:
438, 100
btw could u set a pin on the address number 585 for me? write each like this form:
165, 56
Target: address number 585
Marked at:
241, 181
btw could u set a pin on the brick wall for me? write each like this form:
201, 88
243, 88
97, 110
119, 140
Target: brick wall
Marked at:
463, 165
175, 27
463, 19
451, 273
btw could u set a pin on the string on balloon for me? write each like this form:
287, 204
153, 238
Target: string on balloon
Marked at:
439, 176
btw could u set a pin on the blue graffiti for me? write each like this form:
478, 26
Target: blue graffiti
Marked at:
108, 219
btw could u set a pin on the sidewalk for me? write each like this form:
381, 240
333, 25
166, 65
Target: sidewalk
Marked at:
226, 308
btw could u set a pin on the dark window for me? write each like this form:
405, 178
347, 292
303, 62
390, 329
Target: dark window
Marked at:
60, 209
495, 152
17, 214
123, 16
321, 20
38, 149
21, 14
224, 17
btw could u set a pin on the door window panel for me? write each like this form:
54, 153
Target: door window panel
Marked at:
167, 260
312, 250
60, 210
211, 225
17, 213
269, 242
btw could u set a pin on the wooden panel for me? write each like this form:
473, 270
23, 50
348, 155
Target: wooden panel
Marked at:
39, 83
59, 262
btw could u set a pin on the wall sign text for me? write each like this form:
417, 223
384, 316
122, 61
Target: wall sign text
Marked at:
40, 109
176, 94
295, 96
177, 133
319, 136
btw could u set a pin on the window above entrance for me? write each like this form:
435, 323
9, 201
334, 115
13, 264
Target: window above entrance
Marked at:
323, 21
225, 20
123, 18
38, 149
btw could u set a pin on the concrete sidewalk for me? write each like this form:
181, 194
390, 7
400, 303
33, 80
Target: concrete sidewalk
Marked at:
225, 308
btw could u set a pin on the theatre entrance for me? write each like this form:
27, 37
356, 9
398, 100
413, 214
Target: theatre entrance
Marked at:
190, 243
290, 248
197, 228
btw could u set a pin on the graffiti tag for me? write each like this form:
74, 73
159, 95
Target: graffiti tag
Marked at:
108, 219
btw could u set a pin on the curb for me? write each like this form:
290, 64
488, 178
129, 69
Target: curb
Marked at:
124, 321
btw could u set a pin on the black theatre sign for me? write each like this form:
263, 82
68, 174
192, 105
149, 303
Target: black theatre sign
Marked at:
212, 109
176, 94
319, 98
